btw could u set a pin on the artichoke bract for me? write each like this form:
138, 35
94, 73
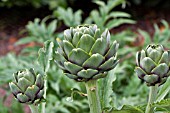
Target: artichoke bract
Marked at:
27, 87
153, 65
86, 53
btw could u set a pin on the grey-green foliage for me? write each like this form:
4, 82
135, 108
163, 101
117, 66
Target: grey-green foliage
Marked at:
10, 64
65, 106
164, 90
161, 36
59, 85
70, 18
59, 90
106, 18
125, 78
105, 90
42, 30
39, 31
46, 55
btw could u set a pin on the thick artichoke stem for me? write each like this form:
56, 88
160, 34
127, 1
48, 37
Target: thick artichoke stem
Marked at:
151, 100
93, 97
34, 109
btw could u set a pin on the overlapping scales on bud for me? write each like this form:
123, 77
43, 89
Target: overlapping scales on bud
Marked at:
27, 87
86, 54
153, 65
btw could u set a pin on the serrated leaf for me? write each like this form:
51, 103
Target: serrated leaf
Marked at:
105, 89
163, 91
46, 55
69, 17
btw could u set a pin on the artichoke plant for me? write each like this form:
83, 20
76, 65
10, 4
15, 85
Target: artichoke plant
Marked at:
86, 53
153, 65
27, 86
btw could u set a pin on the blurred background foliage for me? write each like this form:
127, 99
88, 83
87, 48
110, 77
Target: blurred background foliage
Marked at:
127, 89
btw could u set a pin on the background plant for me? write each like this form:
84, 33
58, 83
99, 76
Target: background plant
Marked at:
69, 17
106, 18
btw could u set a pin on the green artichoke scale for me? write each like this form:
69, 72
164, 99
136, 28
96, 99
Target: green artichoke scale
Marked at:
86, 53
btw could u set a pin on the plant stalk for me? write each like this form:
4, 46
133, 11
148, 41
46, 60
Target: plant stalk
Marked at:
93, 97
34, 109
45, 91
152, 98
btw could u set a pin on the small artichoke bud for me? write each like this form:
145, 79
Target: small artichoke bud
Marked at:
86, 53
27, 86
153, 65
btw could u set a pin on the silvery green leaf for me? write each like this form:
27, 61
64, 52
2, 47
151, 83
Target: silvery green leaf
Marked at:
105, 89
164, 90
46, 55
52, 26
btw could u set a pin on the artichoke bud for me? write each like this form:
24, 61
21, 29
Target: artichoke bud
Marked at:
87, 53
153, 65
27, 87
155, 52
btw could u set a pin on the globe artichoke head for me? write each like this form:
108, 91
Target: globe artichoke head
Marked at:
27, 87
153, 65
86, 53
